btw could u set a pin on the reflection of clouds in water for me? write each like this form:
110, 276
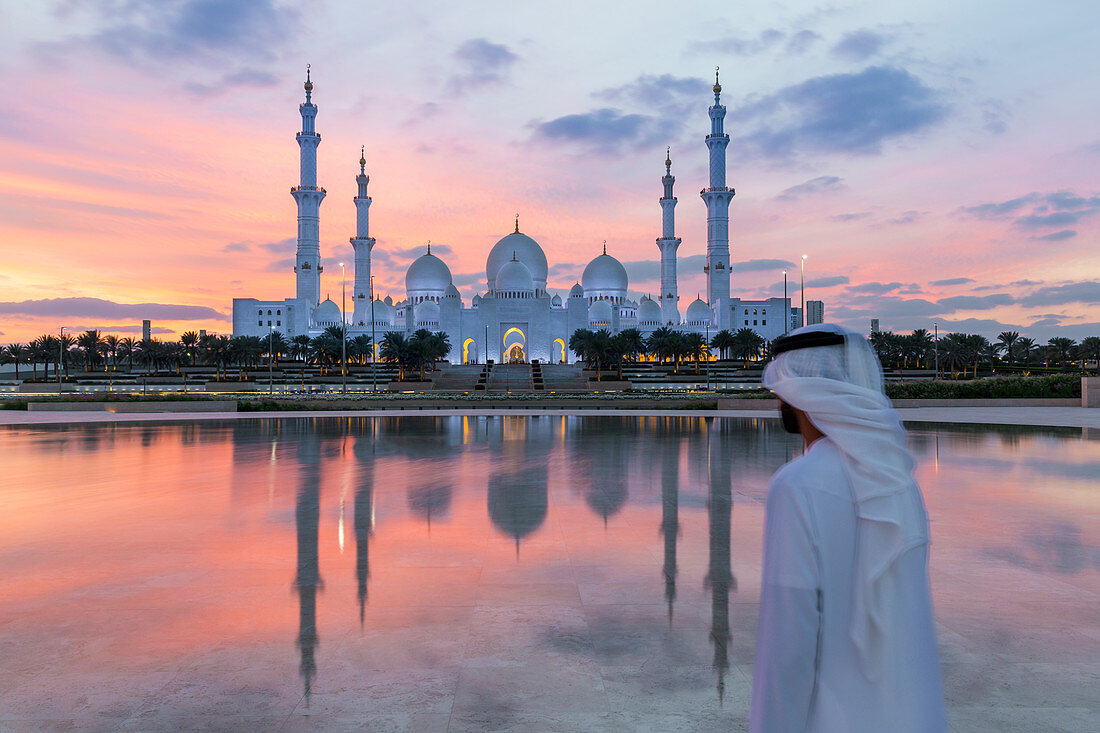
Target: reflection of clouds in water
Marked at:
1055, 547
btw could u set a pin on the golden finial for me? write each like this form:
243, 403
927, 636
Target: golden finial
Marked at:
517, 222
513, 255
668, 156
308, 84
717, 86
605, 246
362, 155
429, 246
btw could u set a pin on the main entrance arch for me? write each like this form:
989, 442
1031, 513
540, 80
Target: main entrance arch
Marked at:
514, 346
515, 355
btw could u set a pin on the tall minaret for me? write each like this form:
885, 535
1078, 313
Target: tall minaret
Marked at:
307, 264
717, 197
667, 243
362, 243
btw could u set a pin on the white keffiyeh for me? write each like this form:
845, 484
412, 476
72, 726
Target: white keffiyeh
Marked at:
840, 389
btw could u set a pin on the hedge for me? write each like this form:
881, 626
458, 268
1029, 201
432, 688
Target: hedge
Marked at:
1060, 385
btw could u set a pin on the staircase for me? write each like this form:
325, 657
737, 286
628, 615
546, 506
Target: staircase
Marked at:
510, 378
458, 378
564, 378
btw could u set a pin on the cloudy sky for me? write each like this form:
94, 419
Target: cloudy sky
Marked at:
936, 160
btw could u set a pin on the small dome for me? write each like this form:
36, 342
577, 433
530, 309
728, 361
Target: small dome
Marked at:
426, 313
576, 291
698, 313
514, 276
427, 272
649, 311
328, 313
389, 300
520, 247
604, 273
556, 301
600, 312
451, 292
383, 312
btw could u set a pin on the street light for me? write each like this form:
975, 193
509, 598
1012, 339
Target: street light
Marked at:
60, 358
936, 344
373, 343
802, 314
343, 336
786, 306
270, 360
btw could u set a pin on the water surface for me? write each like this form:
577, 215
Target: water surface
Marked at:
520, 573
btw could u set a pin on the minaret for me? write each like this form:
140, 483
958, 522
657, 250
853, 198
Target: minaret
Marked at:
717, 197
362, 243
667, 243
307, 263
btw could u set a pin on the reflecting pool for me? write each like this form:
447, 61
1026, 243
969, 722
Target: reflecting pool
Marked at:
494, 573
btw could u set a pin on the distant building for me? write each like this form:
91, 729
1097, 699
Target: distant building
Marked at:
146, 330
874, 325
815, 312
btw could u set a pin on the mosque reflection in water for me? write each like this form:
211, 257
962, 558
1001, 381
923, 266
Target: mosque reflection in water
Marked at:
601, 457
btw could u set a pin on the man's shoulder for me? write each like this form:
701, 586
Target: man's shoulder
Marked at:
807, 471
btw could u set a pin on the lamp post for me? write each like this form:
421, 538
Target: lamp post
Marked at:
60, 358
343, 337
708, 355
373, 343
802, 313
936, 346
786, 306
270, 360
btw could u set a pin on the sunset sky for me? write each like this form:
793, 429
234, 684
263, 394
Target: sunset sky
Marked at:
937, 161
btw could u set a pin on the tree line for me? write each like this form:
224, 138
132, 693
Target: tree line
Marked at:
960, 353
92, 349
603, 350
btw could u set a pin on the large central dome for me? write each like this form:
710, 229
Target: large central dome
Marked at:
427, 273
524, 249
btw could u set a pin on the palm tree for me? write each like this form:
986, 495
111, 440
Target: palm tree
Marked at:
299, 347
632, 342
18, 353
1062, 346
110, 350
954, 352
127, 347
40, 353
976, 346
919, 345
579, 343
91, 341
723, 341
395, 350
1026, 347
601, 349
747, 344
1008, 341
661, 342
1089, 350
360, 347
275, 345
695, 344
190, 341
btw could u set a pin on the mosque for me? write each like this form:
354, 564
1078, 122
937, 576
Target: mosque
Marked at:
515, 318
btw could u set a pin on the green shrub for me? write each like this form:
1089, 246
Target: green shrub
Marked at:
1060, 385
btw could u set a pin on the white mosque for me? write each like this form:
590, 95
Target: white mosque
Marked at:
515, 318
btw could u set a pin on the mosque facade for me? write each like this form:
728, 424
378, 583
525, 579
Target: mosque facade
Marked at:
515, 317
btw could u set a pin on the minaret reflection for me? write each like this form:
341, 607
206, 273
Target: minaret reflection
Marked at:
719, 573
519, 479
307, 517
670, 512
363, 451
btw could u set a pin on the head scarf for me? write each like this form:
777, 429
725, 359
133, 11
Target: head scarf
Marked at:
839, 387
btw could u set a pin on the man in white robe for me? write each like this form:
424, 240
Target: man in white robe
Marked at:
846, 638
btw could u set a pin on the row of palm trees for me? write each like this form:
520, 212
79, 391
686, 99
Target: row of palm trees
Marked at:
959, 353
91, 350
603, 350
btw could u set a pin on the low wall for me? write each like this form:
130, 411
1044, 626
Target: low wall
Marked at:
189, 406
1090, 391
235, 386
410, 386
740, 403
